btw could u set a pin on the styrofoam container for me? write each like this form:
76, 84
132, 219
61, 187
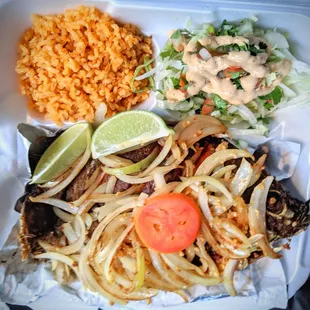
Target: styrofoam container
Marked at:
156, 18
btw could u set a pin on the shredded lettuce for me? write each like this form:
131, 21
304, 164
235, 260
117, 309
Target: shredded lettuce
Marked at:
147, 66
251, 118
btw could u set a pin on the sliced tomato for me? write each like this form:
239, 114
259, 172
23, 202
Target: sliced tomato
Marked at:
168, 223
230, 70
207, 151
182, 82
208, 106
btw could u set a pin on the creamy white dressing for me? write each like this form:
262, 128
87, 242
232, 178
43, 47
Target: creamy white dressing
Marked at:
203, 75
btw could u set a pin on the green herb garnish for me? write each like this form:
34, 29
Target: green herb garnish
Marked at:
237, 82
175, 82
220, 103
275, 97
264, 120
227, 29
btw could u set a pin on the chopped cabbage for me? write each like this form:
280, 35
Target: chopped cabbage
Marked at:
242, 120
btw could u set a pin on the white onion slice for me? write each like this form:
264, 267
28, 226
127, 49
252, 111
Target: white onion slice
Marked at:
61, 204
146, 74
206, 179
110, 207
191, 139
228, 276
111, 184
242, 178
166, 273
110, 256
182, 263
69, 249
218, 158
88, 279
212, 268
203, 203
222, 171
190, 276
100, 114
168, 188
235, 231
159, 181
114, 161
60, 257
189, 168
64, 216
257, 169
204, 54
159, 159
134, 179
128, 263
88, 220
190, 252
205, 121
103, 224
69, 233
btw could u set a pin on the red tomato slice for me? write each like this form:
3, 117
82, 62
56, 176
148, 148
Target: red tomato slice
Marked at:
208, 106
208, 150
228, 71
168, 223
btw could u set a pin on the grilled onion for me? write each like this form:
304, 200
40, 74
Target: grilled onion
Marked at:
218, 158
229, 272
257, 216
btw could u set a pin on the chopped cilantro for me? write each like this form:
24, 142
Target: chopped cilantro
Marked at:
232, 47
254, 50
237, 82
264, 120
268, 105
210, 29
250, 48
168, 51
175, 82
235, 75
275, 96
220, 103
227, 29
186, 86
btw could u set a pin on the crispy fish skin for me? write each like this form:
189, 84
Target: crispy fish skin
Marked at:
286, 216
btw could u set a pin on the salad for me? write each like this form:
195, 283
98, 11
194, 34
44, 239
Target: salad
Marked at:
238, 73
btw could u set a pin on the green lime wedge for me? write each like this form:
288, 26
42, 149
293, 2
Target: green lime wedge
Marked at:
127, 130
62, 153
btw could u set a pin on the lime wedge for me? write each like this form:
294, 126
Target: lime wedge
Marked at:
127, 130
62, 153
